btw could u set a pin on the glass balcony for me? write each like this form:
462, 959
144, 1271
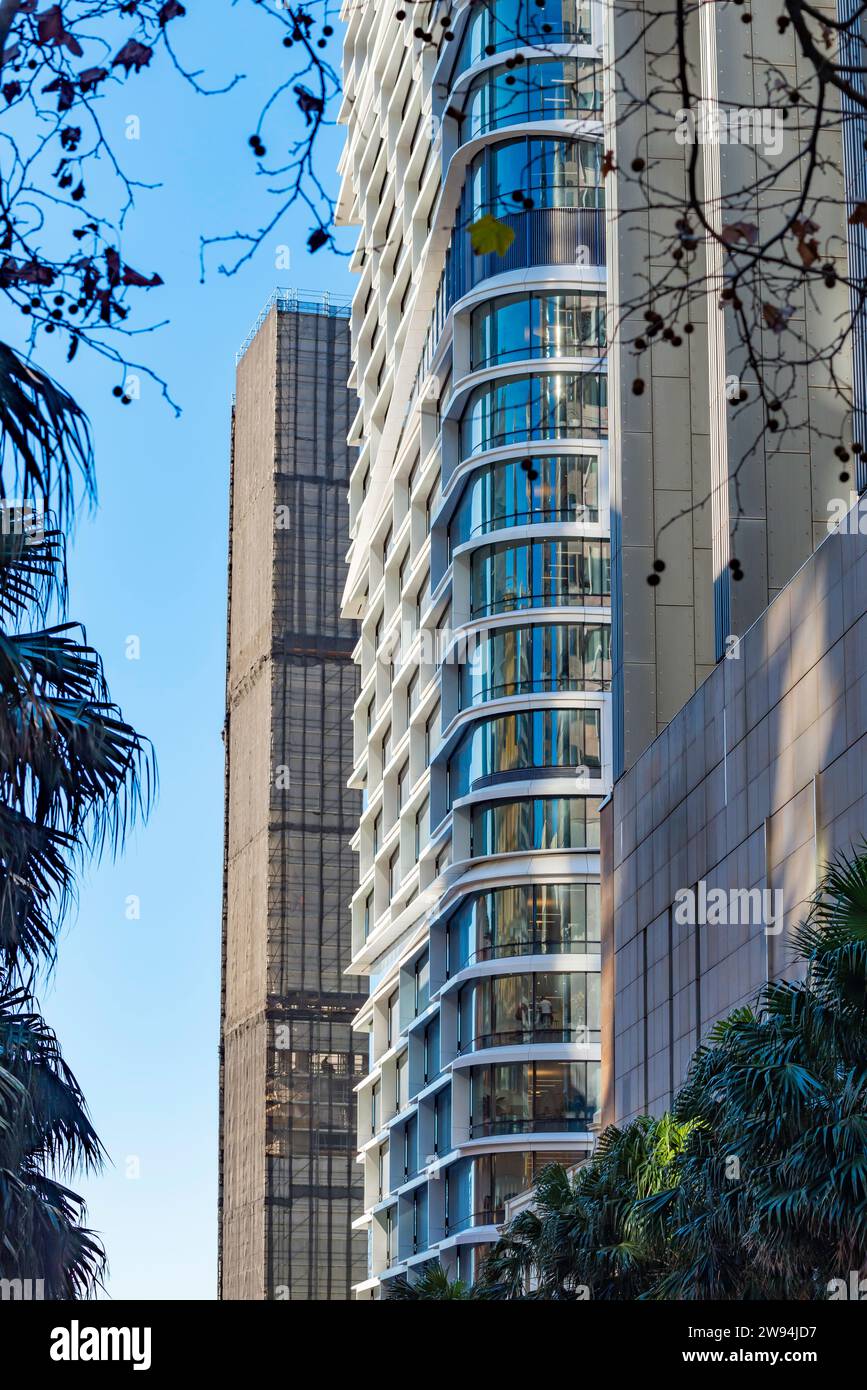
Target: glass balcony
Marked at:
518, 1010
552, 90
529, 660
518, 327
479, 1188
526, 920
549, 192
543, 236
515, 410
535, 171
538, 1097
542, 574
538, 823
527, 492
501, 25
511, 745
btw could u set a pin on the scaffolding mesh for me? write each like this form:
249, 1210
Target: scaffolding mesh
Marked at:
289, 1186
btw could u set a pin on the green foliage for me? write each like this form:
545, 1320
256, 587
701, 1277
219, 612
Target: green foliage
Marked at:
755, 1186
433, 1283
44, 1131
44, 438
73, 777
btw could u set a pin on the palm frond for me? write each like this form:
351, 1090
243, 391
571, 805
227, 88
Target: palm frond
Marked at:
44, 439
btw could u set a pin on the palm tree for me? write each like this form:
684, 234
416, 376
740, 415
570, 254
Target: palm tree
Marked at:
44, 1132
432, 1284
756, 1185
73, 777
586, 1234
772, 1197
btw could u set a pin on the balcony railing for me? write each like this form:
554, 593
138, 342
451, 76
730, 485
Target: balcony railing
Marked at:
514, 1124
579, 1033
530, 946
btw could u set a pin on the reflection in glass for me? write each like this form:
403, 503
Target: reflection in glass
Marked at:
543, 172
523, 660
558, 405
542, 738
528, 492
499, 25
564, 323
545, 822
422, 983
419, 1219
540, 919
555, 89
505, 578
443, 1121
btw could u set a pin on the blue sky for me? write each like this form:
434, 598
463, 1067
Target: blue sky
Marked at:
136, 1003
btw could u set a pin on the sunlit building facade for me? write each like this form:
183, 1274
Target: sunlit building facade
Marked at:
479, 568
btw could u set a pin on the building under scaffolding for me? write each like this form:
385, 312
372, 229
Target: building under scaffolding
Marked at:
289, 1059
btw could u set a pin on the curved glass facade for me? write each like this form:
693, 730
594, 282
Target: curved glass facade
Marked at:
538, 1097
479, 1188
527, 920
528, 660
548, 192
514, 327
535, 823
539, 574
527, 492
500, 25
550, 405
494, 750
533, 171
553, 90
544, 1006
550, 236
513, 554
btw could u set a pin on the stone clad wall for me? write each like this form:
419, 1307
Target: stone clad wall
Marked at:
758, 779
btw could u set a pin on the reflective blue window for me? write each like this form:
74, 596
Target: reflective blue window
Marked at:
513, 327
459, 1194
410, 1147
443, 1121
538, 823
528, 492
419, 1219
542, 574
495, 749
422, 983
553, 90
499, 25
556, 405
524, 660
533, 171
